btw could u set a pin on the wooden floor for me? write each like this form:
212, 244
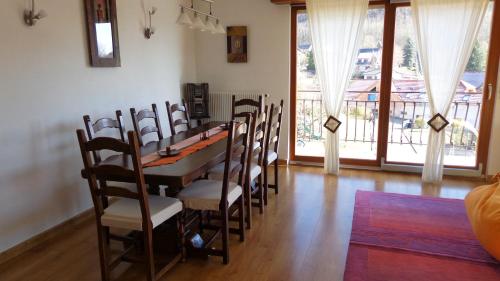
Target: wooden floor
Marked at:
303, 234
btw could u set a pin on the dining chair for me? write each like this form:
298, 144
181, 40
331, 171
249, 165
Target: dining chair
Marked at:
132, 210
143, 115
219, 196
253, 167
246, 104
184, 121
272, 146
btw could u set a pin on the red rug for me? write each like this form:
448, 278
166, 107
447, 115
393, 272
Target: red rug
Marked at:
404, 237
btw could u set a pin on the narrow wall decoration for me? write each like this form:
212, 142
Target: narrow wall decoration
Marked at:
237, 44
102, 29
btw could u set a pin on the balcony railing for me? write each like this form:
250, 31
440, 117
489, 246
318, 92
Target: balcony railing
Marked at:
407, 123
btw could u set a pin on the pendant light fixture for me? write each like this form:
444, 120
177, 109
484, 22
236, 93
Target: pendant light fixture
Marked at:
219, 28
201, 21
198, 23
184, 18
210, 26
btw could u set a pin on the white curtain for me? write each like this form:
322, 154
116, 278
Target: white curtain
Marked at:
336, 27
446, 31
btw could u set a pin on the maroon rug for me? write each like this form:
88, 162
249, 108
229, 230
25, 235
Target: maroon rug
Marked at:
404, 237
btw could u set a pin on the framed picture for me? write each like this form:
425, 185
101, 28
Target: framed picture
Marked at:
237, 41
102, 29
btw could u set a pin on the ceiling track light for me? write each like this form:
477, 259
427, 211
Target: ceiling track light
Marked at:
210, 23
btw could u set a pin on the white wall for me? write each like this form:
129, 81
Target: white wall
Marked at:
46, 85
268, 67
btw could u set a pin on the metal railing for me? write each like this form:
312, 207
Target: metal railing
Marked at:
407, 121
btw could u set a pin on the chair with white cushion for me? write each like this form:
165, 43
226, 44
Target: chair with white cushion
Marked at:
253, 172
218, 196
132, 210
272, 146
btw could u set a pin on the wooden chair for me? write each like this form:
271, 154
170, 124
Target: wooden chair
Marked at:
142, 115
184, 121
272, 146
220, 195
253, 167
256, 159
134, 210
246, 104
93, 129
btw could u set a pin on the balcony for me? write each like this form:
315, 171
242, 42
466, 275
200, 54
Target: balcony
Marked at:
408, 129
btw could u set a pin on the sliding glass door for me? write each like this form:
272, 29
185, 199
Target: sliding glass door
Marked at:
409, 105
385, 111
359, 116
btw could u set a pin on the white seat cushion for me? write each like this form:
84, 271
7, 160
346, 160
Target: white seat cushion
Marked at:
217, 172
206, 194
271, 156
126, 213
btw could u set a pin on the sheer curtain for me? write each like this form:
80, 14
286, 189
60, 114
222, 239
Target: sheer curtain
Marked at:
336, 27
446, 31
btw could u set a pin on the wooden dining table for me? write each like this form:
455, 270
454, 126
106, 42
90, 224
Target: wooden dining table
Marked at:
176, 175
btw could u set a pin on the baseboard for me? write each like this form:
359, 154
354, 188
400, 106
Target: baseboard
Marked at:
46, 236
282, 162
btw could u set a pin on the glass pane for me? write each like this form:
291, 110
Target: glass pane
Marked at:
409, 108
359, 117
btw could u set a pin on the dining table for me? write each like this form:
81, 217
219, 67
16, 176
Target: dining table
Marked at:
175, 175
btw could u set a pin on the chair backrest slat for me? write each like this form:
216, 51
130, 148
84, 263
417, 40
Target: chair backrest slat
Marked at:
142, 115
107, 143
119, 192
104, 123
184, 120
258, 105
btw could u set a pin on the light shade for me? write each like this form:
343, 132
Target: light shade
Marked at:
210, 26
219, 28
198, 23
184, 19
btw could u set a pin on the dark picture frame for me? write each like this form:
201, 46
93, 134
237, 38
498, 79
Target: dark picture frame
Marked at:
102, 31
237, 42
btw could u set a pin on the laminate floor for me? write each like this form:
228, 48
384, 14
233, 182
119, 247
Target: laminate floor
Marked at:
302, 235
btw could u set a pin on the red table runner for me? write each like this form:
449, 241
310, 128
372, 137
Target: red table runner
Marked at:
187, 147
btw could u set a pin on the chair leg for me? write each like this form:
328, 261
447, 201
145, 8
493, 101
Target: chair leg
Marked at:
266, 183
148, 246
200, 224
103, 253
180, 226
261, 194
225, 237
241, 217
276, 189
248, 204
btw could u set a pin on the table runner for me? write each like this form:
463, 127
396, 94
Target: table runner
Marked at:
187, 147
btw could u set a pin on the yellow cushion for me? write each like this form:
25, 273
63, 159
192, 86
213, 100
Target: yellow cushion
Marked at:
483, 209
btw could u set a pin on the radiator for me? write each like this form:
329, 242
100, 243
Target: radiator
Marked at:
220, 103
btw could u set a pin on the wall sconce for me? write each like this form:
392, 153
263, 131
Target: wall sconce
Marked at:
31, 16
149, 30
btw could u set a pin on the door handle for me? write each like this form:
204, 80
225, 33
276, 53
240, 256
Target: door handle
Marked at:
490, 91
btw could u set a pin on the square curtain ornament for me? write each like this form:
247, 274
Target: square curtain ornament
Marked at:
438, 122
332, 124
